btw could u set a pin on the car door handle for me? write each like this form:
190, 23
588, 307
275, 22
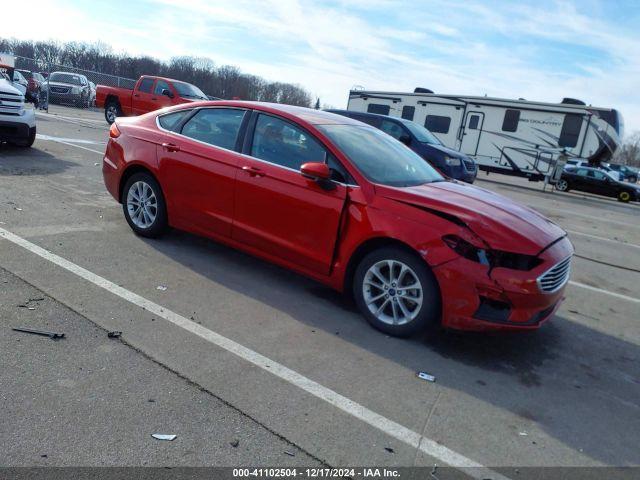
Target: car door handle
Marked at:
136, 95
171, 147
253, 171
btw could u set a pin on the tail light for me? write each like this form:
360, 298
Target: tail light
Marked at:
114, 131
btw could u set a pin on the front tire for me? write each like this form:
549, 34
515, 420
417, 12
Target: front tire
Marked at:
562, 185
396, 292
144, 206
624, 196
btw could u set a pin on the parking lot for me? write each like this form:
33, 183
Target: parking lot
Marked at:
248, 363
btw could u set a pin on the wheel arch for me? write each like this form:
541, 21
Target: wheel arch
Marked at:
111, 98
129, 172
363, 250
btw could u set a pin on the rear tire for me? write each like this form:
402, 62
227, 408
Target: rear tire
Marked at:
562, 185
112, 111
382, 292
144, 206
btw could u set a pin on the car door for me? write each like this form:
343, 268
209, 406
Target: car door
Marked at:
160, 100
142, 97
277, 210
579, 180
197, 160
601, 184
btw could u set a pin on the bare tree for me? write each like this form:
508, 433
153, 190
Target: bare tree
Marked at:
629, 151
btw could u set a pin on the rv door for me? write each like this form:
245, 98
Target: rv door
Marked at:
471, 132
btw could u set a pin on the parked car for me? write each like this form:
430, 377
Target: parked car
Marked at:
19, 81
68, 88
593, 180
628, 173
34, 85
148, 94
601, 166
345, 204
450, 162
17, 122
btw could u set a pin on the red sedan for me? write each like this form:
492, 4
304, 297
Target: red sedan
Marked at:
345, 204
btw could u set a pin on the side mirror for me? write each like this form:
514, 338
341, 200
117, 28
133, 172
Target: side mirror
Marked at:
315, 171
406, 139
167, 93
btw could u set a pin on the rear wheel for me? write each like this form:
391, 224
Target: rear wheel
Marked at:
112, 111
562, 185
624, 196
396, 291
144, 205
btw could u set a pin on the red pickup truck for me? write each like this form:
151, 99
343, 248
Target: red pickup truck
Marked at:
148, 94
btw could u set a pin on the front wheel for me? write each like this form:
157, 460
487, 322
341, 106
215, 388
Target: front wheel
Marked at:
624, 196
562, 185
396, 292
144, 206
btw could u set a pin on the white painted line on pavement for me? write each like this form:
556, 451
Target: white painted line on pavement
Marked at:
385, 425
71, 119
607, 292
52, 139
72, 140
573, 232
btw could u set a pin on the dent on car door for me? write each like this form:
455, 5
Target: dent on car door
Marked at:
197, 165
277, 210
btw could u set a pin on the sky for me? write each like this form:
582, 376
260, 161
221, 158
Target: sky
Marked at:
540, 50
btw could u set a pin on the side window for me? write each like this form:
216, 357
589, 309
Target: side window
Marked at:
598, 175
392, 128
145, 85
437, 123
408, 112
511, 119
378, 108
282, 143
160, 86
215, 126
172, 121
473, 122
570, 130
582, 172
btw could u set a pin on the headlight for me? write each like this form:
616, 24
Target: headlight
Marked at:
452, 161
492, 258
75, 89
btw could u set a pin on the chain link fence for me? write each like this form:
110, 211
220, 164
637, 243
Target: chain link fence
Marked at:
65, 85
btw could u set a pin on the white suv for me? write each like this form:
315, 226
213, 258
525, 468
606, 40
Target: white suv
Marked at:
17, 120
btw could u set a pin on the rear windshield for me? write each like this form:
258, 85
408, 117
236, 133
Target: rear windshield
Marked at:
65, 78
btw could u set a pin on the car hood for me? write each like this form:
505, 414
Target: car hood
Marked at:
499, 221
7, 87
450, 152
63, 84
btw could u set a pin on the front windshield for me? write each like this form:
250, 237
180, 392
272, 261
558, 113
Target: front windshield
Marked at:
422, 134
186, 90
65, 78
380, 157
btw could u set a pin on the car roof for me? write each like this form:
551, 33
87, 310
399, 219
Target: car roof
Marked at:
308, 115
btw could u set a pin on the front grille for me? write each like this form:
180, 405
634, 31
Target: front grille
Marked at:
556, 277
60, 89
470, 165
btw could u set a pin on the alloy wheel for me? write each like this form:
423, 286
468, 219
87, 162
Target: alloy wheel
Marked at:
392, 292
561, 185
112, 113
142, 204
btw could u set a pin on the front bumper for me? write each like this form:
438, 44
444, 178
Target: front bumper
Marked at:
474, 298
17, 127
55, 97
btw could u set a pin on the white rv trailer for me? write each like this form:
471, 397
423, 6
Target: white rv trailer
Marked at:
515, 137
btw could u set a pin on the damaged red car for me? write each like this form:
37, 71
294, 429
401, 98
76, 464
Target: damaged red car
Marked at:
345, 204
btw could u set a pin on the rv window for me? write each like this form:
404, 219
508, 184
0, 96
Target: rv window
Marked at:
511, 119
378, 108
407, 112
570, 130
473, 122
437, 123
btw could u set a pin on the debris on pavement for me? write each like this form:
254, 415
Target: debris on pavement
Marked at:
52, 335
291, 454
235, 443
389, 449
426, 376
114, 334
161, 287
523, 434
162, 436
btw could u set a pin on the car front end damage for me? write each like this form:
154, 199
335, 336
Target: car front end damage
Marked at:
519, 293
